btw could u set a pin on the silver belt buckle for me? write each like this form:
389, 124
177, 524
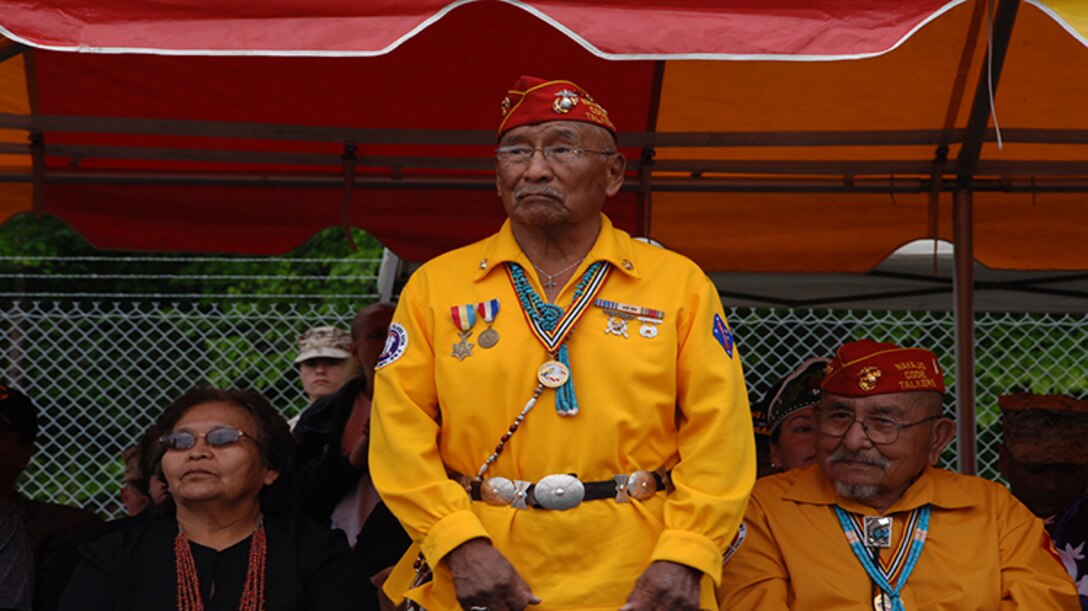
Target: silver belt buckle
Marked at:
559, 492
639, 485
504, 492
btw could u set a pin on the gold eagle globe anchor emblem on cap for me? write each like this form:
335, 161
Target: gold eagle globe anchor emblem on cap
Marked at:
868, 377
564, 101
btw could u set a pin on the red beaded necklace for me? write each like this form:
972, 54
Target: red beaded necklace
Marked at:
189, 583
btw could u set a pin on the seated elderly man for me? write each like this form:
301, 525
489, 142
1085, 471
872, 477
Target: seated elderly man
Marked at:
873, 525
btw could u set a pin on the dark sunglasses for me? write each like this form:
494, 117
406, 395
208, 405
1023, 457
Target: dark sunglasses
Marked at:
216, 438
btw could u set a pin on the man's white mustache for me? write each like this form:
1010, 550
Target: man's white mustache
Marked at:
545, 191
843, 455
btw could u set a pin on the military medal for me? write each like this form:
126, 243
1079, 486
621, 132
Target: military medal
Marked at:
619, 313
617, 325
488, 338
488, 310
464, 317
649, 327
553, 374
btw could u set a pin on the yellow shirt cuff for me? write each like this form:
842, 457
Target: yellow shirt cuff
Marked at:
449, 532
690, 549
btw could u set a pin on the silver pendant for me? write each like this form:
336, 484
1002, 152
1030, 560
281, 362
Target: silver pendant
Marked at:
649, 331
553, 374
878, 531
488, 338
617, 325
882, 602
463, 348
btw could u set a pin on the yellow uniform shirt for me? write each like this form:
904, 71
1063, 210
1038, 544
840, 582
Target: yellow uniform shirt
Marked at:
675, 399
984, 551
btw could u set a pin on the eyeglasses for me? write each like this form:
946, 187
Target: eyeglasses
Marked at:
216, 438
559, 153
879, 429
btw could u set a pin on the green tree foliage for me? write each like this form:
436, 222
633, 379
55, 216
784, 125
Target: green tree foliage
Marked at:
101, 368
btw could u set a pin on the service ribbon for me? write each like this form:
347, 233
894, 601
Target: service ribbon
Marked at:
464, 317
488, 310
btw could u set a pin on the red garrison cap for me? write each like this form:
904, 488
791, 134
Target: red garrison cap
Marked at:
533, 100
864, 368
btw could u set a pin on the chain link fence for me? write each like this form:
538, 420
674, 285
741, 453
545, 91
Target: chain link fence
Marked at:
101, 370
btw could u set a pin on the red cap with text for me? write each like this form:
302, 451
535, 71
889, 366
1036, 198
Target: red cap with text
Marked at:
534, 100
864, 367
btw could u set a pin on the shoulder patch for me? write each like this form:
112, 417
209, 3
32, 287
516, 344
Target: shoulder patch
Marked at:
735, 544
395, 345
723, 335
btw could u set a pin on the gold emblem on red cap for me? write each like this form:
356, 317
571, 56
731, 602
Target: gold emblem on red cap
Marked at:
868, 377
564, 101
506, 105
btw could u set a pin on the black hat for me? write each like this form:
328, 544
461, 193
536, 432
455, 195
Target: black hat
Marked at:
798, 390
18, 414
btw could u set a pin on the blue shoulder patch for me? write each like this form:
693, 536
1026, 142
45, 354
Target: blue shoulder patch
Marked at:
395, 345
723, 335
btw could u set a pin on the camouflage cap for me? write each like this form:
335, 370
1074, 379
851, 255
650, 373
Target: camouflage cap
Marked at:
324, 342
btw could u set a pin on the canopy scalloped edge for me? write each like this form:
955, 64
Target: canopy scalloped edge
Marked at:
556, 15
1079, 29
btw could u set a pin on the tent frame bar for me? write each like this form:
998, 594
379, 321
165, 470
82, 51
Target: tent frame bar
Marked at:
486, 182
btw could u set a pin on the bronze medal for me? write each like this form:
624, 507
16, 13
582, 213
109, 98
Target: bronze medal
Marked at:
488, 338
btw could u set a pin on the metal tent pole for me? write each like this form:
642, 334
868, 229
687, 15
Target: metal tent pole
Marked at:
387, 274
1004, 18
963, 290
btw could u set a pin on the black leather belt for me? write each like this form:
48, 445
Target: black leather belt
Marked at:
563, 491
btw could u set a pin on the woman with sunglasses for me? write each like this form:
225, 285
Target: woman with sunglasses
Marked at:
229, 539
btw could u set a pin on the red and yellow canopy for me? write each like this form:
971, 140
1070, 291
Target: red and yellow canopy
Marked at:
785, 135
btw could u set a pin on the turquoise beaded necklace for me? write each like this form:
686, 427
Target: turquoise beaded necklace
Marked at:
552, 325
917, 540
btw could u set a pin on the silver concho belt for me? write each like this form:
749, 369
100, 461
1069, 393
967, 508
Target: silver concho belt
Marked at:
563, 491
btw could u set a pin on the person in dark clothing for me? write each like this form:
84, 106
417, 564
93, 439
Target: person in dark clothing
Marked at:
333, 437
379, 547
48, 526
16, 563
236, 541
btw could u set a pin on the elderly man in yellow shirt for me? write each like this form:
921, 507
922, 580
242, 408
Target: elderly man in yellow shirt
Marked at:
873, 526
560, 417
